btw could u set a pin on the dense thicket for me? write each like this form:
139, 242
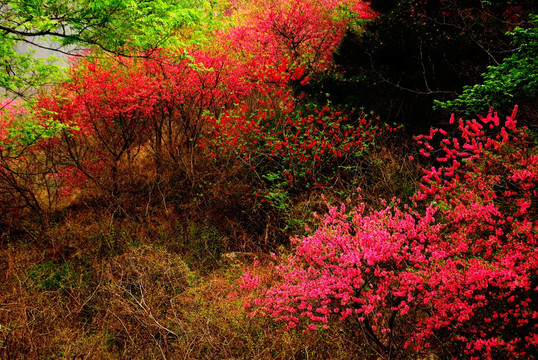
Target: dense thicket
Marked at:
142, 192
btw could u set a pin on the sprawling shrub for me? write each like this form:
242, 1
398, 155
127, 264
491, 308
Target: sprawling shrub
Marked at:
283, 152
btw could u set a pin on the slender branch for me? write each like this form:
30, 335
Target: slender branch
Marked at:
414, 91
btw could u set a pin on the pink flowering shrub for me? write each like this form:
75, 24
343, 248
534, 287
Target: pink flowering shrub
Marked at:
457, 272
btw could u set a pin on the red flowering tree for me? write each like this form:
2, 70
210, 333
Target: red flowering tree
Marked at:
108, 104
301, 33
459, 275
265, 146
188, 88
120, 106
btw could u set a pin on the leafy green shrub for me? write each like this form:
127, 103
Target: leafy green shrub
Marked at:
513, 80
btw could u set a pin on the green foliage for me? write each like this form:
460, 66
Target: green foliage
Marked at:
23, 130
53, 276
28, 133
117, 26
21, 71
108, 24
513, 80
202, 245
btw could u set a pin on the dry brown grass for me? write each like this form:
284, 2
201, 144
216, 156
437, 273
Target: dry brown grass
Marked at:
90, 292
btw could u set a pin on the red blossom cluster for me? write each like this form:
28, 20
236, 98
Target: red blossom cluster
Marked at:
5, 120
288, 150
